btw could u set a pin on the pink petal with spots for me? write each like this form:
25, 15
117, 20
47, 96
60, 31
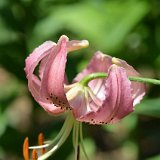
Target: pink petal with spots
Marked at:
118, 102
34, 83
54, 74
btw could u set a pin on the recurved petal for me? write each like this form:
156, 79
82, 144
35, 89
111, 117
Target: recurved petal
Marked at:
34, 87
54, 74
35, 57
99, 63
76, 45
42, 66
118, 102
30, 64
50, 107
138, 89
34, 83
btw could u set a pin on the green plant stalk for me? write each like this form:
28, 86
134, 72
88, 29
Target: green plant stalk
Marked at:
93, 76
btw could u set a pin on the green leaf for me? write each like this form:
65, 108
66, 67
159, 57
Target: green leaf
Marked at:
154, 158
104, 24
149, 107
7, 35
128, 124
3, 121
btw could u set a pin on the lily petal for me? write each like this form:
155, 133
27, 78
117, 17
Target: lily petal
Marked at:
36, 56
42, 66
34, 83
76, 45
54, 75
118, 102
138, 89
99, 63
31, 62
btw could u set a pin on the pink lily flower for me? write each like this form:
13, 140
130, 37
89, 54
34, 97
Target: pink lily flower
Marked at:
104, 101
101, 101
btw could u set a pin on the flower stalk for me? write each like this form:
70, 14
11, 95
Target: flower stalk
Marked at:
97, 75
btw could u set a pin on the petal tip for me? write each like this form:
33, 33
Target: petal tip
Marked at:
64, 37
115, 61
84, 43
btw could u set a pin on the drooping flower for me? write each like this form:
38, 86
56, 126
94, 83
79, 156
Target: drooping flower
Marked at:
96, 100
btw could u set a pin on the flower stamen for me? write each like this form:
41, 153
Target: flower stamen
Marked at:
25, 149
34, 155
53, 145
41, 142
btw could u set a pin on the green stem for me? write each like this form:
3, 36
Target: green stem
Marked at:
93, 76
81, 140
145, 80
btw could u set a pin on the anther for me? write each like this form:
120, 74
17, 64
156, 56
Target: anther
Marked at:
34, 155
25, 149
41, 142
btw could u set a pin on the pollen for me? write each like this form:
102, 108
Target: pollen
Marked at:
25, 149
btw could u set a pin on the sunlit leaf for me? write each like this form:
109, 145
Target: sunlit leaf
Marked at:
149, 107
105, 24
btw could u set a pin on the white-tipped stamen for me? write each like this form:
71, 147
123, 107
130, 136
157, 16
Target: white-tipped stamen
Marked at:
49, 143
39, 147
56, 143
62, 139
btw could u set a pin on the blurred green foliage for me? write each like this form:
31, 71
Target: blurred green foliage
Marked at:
128, 29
